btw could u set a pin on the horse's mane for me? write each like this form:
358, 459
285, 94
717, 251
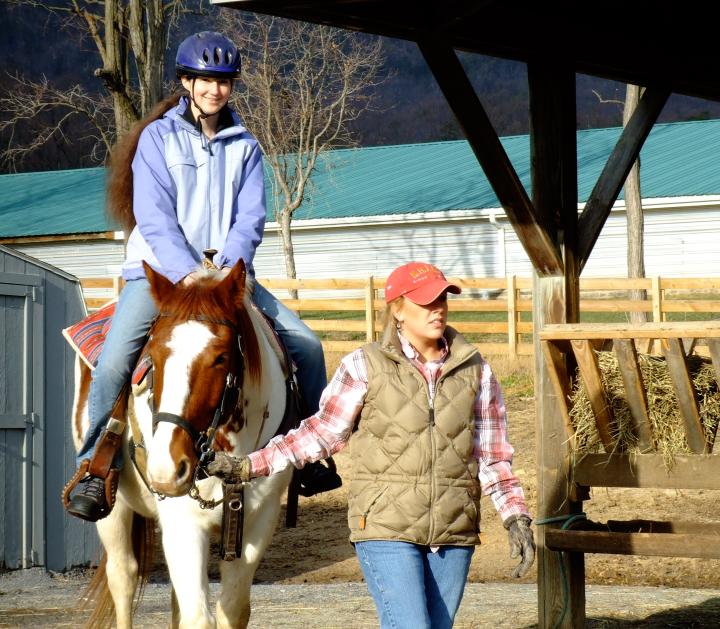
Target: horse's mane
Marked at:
119, 194
200, 298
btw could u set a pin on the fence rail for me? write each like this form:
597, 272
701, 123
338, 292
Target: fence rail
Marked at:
495, 313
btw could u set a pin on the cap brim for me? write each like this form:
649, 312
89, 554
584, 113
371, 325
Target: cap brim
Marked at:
431, 291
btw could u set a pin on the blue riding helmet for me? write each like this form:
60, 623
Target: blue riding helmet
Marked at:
207, 54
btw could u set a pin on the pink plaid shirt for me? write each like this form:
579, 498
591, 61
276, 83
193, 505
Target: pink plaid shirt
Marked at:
328, 431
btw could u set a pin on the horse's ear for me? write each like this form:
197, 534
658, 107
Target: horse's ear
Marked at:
160, 286
234, 285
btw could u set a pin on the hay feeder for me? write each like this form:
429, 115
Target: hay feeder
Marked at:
628, 451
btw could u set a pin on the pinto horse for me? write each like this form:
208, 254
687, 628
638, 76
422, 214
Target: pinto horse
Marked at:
206, 339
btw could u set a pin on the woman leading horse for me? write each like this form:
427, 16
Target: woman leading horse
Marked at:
424, 420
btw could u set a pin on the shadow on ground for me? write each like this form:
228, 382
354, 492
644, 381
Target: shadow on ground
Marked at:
705, 614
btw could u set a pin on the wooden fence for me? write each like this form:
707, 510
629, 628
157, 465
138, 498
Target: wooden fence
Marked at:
494, 313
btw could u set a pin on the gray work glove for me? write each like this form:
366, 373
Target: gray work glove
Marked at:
522, 543
231, 469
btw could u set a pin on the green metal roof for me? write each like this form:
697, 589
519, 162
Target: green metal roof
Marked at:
53, 202
678, 160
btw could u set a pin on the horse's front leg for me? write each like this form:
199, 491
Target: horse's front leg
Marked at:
262, 507
121, 569
185, 539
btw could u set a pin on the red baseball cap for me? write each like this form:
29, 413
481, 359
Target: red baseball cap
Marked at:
420, 282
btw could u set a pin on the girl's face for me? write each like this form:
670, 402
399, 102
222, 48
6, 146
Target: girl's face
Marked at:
423, 325
209, 94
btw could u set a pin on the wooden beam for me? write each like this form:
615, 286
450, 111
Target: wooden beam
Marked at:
648, 544
714, 347
657, 526
669, 329
698, 471
685, 391
27, 240
592, 380
483, 139
560, 381
608, 186
560, 578
635, 393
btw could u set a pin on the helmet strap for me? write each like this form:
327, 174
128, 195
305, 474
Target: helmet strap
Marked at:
203, 115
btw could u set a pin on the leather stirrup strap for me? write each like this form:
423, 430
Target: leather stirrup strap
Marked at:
72, 483
138, 453
108, 446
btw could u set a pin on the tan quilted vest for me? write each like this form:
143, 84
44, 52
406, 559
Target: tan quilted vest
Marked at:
414, 477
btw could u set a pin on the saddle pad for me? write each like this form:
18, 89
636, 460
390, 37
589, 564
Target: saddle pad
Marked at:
87, 338
274, 339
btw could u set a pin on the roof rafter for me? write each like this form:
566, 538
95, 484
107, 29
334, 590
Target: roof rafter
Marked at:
490, 153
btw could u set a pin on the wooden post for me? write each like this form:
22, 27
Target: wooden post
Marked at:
561, 576
658, 315
512, 315
116, 285
370, 310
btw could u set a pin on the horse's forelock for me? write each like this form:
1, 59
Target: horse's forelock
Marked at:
201, 299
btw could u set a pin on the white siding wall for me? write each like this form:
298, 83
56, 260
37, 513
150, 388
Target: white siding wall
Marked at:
679, 242
460, 248
81, 258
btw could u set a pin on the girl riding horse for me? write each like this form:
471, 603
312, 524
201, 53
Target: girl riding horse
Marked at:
187, 179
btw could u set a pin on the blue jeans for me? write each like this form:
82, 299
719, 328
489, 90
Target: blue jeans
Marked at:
134, 314
133, 317
413, 587
304, 346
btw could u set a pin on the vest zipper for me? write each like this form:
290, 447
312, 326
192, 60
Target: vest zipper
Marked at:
363, 518
433, 453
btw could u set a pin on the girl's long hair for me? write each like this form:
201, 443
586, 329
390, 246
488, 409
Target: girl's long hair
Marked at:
119, 194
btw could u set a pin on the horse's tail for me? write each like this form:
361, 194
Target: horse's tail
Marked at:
143, 541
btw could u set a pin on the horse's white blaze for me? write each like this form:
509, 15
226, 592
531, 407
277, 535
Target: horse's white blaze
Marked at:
186, 343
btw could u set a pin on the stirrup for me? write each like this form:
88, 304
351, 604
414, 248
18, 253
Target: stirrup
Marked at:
110, 483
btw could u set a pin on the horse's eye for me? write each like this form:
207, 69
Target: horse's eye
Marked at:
220, 360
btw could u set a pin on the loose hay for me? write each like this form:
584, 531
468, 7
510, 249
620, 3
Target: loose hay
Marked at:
665, 419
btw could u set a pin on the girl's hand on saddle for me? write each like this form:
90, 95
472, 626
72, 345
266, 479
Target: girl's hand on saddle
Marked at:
189, 279
230, 468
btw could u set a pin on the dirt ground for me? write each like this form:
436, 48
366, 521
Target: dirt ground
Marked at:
318, 550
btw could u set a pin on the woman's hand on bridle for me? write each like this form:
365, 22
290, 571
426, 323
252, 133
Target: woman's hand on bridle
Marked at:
231, 469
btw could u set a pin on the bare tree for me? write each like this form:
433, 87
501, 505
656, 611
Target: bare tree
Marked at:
29, 100
302, 87
130, 37
633, 205
634, 212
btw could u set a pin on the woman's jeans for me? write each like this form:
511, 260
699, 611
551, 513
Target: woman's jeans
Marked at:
131, 322
413, 587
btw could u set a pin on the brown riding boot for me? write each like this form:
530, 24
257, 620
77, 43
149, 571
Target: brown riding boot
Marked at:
90, 494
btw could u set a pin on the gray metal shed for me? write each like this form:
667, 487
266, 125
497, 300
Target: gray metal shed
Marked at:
37, 301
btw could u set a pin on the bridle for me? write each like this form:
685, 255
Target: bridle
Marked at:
205, 439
